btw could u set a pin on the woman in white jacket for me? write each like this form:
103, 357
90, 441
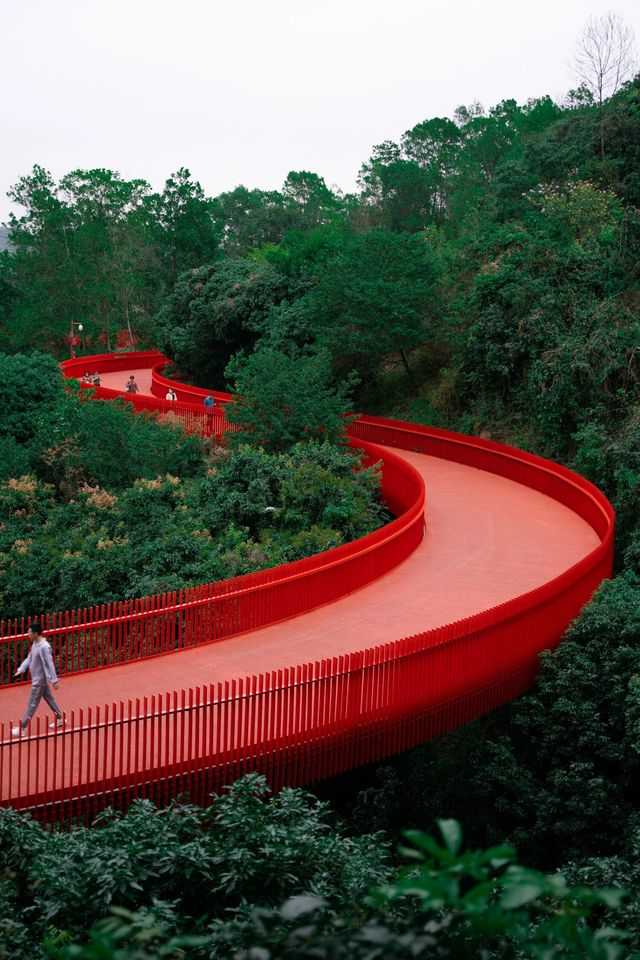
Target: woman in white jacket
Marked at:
39, 662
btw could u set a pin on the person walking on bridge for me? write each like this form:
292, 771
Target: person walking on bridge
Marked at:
43, 672
131, 385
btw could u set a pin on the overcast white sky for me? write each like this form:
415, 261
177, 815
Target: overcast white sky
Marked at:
244, 91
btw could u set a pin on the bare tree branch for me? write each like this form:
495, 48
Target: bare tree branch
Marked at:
604, 57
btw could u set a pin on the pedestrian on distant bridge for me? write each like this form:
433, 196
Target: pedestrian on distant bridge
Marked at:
131, 386
39, 662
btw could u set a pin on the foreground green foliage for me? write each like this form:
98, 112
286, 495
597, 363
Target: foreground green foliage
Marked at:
188, 868
254, 877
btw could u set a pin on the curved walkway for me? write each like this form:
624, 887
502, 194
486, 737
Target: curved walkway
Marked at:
488, 540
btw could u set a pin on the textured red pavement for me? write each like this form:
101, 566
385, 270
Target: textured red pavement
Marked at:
117, 380
488, 539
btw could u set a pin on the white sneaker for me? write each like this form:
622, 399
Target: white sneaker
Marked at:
58, 723
16, 731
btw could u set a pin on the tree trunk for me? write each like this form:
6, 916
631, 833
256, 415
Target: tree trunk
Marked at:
406, 366
601, 121
107, 325
129, 330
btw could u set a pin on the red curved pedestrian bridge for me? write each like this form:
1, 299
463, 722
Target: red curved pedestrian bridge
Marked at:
312, 668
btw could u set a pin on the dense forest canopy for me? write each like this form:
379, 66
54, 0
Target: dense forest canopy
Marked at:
485, 277
495, 251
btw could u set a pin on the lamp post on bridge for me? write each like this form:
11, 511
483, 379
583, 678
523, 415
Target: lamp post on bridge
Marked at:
72, 337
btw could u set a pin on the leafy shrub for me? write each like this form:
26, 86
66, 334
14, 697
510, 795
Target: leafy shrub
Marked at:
186, 866
31, 390
447, 902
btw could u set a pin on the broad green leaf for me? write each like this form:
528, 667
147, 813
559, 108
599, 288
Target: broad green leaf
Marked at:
296, 907
451, 834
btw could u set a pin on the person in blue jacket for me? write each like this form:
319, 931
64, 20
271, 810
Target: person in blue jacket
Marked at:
39, 662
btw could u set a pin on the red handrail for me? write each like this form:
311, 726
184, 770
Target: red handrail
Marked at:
184, 391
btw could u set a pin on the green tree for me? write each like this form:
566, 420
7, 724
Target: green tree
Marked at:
623, 136
39, 270
551, 336
249, 219
111, 249
376, 297
188, 234
216, 311
395, 192
311, 201
81, 251
31, 391
8, 300
284, 398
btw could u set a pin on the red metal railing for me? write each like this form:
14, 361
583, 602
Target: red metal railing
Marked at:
193, 418
315, 719
188, 409
185, 391
109, 362
145, 360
